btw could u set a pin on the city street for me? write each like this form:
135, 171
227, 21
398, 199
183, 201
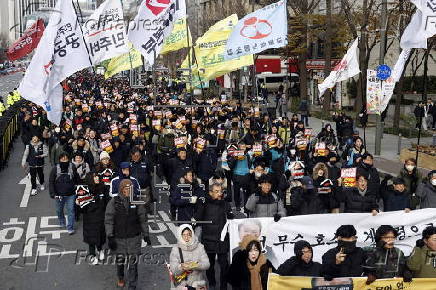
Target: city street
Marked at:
36, 254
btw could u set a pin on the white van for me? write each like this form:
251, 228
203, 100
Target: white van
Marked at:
274, 80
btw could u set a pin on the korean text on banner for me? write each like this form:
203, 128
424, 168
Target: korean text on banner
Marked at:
210, 49
178, 38
258, 31
123, 62
278, 238
60, 53
105, 33
28, 42
347, 68
373, 92
153, 23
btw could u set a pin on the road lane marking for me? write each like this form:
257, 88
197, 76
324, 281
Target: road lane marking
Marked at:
27, 189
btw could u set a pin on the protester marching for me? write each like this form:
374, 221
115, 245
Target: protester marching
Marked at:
254, 193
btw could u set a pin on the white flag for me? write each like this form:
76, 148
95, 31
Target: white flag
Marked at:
153, 23
54, 105
421, 26
60, 53
263, 29
389, 84
105, 32
347, 68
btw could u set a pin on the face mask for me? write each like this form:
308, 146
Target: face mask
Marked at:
63, 165
433, 182
410, 167
292, 151
348, 247
257, 174
367, 165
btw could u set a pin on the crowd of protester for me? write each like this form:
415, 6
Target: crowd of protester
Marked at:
220, 160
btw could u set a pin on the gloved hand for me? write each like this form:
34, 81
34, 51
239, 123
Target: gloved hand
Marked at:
407, 276
277, 217
112, 243
147, 240
193, 199
371, 278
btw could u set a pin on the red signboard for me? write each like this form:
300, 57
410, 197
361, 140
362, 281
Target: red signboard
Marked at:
28, 42
268, 65
318, 64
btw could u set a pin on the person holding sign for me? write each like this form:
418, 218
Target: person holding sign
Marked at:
358, 199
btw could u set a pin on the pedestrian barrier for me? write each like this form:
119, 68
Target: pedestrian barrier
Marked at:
9, 130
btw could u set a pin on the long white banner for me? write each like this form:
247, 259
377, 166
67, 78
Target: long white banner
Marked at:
278, 238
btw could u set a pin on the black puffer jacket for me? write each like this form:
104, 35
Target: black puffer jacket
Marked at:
295, 266
351, 267
215, 211
357, 203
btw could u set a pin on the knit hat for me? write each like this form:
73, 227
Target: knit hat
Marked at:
104, 155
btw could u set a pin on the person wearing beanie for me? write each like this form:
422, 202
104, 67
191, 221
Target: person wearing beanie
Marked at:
384, 260
188, 258
250, 268
302, 263
396, 197
344, 260
422, 261
124, 173
426, 191
104, 155
124, 223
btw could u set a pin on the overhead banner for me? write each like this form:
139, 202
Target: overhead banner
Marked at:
123, 62
373, 92
210, 49
105, 33
153, 23
278, 238
258, 31
28, 42
276, 282
347, 68
178, 38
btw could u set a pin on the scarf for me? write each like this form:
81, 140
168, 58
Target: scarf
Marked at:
255, 279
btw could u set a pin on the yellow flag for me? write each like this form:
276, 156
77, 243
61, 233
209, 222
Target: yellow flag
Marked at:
178, 38
123, 62
209, 50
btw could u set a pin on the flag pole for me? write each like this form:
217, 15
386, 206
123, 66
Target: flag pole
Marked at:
80, 26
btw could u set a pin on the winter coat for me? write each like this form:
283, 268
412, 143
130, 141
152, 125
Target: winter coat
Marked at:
394, 200
261, 205
351, 267
357, 203
180, 199
125, 222
385, 263
93, 216
62, 183
239, 274
411, 180
421, 264
296, 267
115, 183
372, 175
55, 152
205, 163
302, 202
142, 172
427, 193
215, 211
34, 154
194, 251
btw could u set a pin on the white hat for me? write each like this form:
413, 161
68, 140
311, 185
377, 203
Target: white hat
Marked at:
104, 155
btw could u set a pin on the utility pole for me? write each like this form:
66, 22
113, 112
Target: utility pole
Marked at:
253, 76
378, 132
